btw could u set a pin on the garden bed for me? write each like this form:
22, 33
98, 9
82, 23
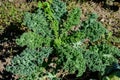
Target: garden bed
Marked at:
12, 28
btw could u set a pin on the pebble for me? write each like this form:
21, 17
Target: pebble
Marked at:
11, 0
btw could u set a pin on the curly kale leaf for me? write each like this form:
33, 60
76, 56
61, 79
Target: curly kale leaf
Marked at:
100, 56
74, 37
37, 22
72, 59
28, 61
33, 40
93, 29
72, 21
59, 8
73, 18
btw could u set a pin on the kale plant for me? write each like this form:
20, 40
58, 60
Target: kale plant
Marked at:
55, 31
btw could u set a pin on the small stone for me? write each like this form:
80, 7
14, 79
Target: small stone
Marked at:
11, 0
1, 66
102, 20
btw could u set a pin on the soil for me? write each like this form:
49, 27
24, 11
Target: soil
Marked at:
109, 16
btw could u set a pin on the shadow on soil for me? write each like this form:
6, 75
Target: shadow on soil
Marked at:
6, 76
86, 76
113, 7
9, 48
7, 40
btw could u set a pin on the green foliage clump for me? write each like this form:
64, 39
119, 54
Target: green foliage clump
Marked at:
28, 61
33, 40
59, 8
74, 37
100, 56
72, 59
93, 29
38, 25
72, 21
73, 18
